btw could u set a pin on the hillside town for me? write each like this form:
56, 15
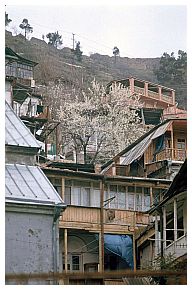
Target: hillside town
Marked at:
77, 215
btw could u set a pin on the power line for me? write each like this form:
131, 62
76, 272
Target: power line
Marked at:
81, 36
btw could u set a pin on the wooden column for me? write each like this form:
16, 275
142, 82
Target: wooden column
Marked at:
101, 234
175, 218
57, 140
146, 89
160, 92
164, 227
62, 188
134, 252
151, 196
131, 83
65, 248
173, 96
172, 143
156, 236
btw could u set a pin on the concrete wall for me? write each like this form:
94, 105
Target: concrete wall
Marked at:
28, 242
19, 157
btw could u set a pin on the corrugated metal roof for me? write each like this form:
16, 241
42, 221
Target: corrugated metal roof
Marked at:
29, 184
138, 150
16, 133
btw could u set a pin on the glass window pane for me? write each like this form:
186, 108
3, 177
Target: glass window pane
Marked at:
67, 196
131, 189
95, 198
146, 204
85, 196
121, 200
139, 202
75, 263
131, 201
139, 189
113, 194
76, 196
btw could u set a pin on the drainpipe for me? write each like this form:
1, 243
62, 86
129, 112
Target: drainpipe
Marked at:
59, 208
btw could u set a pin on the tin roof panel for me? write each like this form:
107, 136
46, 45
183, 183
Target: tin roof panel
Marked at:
29, 183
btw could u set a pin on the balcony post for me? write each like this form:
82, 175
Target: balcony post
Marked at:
131, 82
146, 89
160, 92
172, 144
173, 96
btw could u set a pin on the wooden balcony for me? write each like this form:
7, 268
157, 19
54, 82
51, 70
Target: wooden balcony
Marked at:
171, 154
88, 218
154, 95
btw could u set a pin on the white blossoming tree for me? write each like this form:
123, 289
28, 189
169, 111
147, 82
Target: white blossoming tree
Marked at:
99, 124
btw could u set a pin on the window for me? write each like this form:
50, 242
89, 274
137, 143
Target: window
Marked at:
67, 196
169, 224
180, 219
121, 197
113, 193
131, 195
146, 202
57, 184
156, 195
81, 193
181, 144
139, 202
95, 195
75, 263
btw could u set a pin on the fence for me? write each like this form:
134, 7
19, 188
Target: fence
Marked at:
98, 278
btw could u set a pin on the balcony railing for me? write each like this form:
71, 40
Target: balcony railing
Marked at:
154, 95
89, 218
171, 154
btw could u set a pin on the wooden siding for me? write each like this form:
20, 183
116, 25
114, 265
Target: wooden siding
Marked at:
89, 218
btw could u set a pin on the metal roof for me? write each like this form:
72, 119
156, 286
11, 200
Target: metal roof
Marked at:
10, 54
140, 148
16, 133
24, 183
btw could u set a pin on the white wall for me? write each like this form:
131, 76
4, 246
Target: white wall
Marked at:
28, 242
8, 93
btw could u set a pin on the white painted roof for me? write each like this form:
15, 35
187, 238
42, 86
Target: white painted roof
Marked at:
16, 133
29, 184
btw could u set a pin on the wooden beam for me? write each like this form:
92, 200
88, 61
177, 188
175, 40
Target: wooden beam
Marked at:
65, 248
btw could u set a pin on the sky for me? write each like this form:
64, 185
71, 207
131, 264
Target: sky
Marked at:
138, 30
144, 29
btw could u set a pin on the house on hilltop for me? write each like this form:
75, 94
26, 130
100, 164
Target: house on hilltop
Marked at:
153, 96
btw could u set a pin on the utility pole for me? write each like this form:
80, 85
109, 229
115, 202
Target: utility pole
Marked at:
73, 40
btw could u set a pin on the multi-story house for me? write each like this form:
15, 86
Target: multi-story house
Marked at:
159, 153
152, 96
22, 96
168, 242
32, 206
98, 227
